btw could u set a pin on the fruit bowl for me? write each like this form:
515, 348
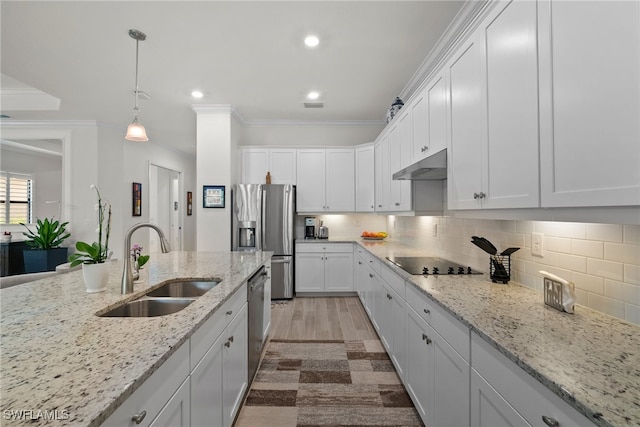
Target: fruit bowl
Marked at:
373, 235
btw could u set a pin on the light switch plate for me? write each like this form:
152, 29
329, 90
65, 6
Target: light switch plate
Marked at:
537, 248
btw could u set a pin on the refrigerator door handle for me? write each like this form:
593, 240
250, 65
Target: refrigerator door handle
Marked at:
263, 220
280, 261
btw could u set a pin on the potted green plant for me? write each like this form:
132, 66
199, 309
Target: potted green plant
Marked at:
44, 252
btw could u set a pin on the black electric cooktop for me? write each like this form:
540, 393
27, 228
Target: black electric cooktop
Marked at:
430, 266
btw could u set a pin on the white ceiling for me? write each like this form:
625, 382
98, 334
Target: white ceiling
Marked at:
246, 53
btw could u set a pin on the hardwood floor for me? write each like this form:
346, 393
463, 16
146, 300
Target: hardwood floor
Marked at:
324, 366
333, 318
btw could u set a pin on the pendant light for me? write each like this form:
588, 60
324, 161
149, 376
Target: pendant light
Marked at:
135, 131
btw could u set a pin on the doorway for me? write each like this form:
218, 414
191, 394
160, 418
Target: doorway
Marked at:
164, 206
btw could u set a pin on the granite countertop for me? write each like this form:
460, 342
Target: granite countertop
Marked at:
57, 355
589, 359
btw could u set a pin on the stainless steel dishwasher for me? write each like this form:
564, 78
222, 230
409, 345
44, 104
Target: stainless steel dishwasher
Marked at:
255, 290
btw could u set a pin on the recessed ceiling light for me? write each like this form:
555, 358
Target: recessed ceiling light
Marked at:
313, 95
312, 41
197, 94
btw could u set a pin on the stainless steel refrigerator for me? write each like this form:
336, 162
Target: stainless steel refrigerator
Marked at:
263, 219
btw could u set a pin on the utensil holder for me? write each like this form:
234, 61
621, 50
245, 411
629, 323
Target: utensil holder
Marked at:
500, 268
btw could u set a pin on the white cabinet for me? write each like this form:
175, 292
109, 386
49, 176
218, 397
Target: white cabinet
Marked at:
177, 412
438, 104
399, 153
279, 162
395, 328
207, 387
324, 267
502, 392
437, 374
420, 127
590, 108
382, 183
234, 366
326, 180
365, 178
148, 401
493, 152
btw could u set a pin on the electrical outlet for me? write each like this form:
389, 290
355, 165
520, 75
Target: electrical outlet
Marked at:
536, 244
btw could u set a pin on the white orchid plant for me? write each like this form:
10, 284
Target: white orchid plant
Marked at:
97, 252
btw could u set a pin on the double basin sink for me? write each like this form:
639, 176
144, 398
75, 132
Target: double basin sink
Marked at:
168, 298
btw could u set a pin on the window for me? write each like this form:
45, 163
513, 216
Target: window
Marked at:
15, 198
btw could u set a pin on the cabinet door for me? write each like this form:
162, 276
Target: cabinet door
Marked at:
310, 190
282, 165
309, 272
177, 412
590, 108
382, 181
235, 366
398, 320
405, 129
338, 272
340, 180
365, 179
466, 152
206, 387
419, 366
451, 380
255, 164
488, 407
512, 106
399, 191
420, 128
437, 113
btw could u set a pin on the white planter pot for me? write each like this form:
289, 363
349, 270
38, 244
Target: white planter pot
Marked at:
95, 276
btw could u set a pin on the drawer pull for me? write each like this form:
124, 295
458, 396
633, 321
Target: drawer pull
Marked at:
227, 344
388, 296
370, 275
426, 339
229, 313
359, 262
426, 311
551, 422
231, 338
137, 418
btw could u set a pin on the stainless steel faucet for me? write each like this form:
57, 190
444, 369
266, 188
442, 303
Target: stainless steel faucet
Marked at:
127, 274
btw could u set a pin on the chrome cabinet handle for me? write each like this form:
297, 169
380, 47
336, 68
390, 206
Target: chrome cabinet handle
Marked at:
397, 204
370, 275
360, 262
423, 149
427, 311
551, 422
482, 195
229, 313
426, 339
476, 196
231, 338
137, 418
388, 296
227, 344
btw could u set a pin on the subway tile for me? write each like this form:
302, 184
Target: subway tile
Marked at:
631, 234
573, 230
632, 314
593, 284
605, 232
572, 262
581, 297
620, 252
622, 291
606, 269
557, 244
632, 274
606, 305
588, 248
526, 227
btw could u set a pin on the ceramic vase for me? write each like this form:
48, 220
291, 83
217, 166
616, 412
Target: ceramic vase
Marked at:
95, 277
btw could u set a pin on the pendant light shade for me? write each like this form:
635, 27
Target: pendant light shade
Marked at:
135, 131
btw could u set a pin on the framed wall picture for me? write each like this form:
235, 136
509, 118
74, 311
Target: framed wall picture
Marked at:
189, 203
136, 199
213, 196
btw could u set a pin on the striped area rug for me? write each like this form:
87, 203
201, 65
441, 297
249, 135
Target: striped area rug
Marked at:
327, 383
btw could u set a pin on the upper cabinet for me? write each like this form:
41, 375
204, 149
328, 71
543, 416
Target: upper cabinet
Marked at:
365, 178
326, 180
493, 152
429, 119
279, 162
590, 103
382, 181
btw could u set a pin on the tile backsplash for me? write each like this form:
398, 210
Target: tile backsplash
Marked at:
603, 260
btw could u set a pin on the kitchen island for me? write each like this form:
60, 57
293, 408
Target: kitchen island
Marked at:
60, 361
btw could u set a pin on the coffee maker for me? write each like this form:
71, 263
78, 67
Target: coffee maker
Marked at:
310, 227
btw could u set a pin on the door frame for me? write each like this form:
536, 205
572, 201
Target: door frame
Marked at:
180, 202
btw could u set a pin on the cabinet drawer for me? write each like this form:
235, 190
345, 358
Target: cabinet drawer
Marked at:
369, 259
202, 339
529, 397
396, 282
451, 329
310, 247
154, 393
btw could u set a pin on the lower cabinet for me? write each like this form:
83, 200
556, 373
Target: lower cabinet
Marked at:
489, 408
324, 267
202, 383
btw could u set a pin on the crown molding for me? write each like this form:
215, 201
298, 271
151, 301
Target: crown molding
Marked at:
58, 124
335, 123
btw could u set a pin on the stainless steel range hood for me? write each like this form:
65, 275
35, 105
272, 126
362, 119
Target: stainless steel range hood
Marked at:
433, 167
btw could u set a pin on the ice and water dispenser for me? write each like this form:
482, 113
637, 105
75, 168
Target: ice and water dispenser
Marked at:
246, 235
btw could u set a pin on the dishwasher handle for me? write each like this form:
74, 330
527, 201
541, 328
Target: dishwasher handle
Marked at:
258, 280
